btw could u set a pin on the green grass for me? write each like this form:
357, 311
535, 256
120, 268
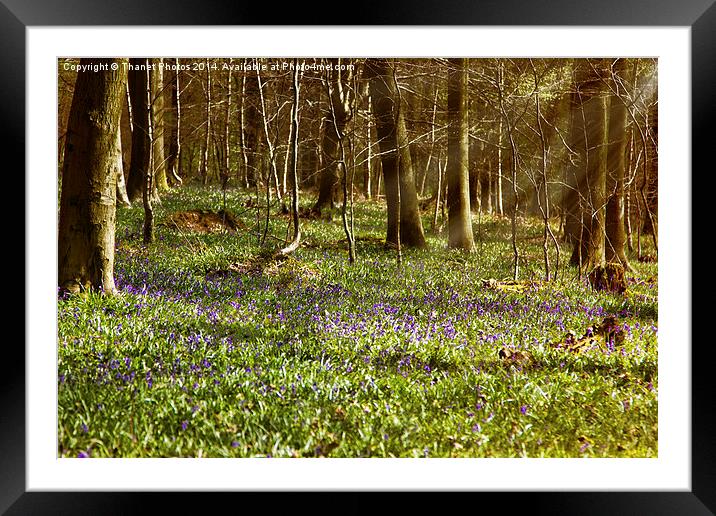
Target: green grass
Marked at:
206, 354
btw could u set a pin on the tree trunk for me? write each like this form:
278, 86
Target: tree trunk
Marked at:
249, 125
149, 179
574, 171
273, 169
334, 125
429, 160
204, 166
292, 159
486, 188
438, 194
499, 203
458, 174
631, 169
122, 197
616, 167
140, 128
88, 195
591, 129
244, 177
651, 189
174, 157
226, 163
392, 140
368, 174
160, 170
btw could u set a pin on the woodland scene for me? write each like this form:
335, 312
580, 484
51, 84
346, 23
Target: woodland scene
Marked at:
357, 257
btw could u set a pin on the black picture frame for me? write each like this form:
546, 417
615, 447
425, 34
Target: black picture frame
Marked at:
699, 15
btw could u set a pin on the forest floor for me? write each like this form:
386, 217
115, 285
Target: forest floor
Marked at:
212, 349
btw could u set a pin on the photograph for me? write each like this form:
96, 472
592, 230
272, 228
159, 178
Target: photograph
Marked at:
419, 252
357, 257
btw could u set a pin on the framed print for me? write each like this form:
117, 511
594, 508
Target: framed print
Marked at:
46, 430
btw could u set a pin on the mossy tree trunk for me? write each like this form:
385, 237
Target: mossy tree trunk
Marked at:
89, 180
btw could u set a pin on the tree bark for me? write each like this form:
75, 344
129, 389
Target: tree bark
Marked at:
270, 144
392, 140
204, 165
651, 180
591, 129
458, 174
292, 160
429, 160
88, 195
149, 179
367, 178
226, 162
174, 156
249, 125
616, 167
333, 128
140, 128
513, 171
500, 136
122, 197
486, 188
157, 100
